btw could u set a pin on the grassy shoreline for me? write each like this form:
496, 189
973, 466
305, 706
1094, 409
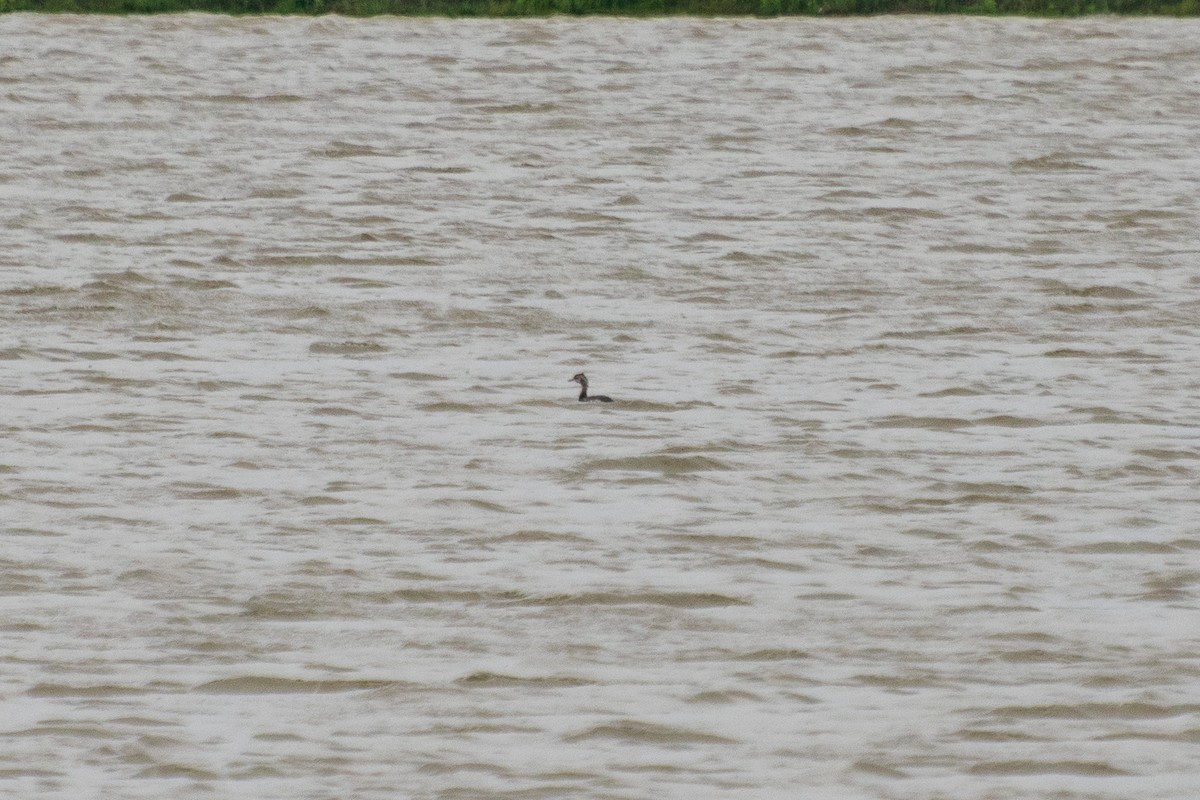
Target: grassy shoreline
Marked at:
640, 8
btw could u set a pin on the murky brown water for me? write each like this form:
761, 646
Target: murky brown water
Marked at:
898, 498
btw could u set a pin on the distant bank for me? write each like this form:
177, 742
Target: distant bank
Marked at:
639, 8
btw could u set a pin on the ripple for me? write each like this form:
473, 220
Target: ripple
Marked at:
263, 684
1095, 769
667, 599
665, 464
639, 732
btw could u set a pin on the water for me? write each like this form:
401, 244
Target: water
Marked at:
897, 499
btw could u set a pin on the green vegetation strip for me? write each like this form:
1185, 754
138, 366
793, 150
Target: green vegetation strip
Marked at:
638, 8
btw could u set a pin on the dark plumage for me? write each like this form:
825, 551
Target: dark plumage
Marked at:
581, 379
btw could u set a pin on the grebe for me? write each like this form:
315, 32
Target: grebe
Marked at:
581, 379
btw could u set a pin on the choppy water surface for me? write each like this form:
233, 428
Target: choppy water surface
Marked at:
898, 498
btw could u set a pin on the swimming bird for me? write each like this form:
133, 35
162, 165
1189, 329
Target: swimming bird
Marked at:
581, 379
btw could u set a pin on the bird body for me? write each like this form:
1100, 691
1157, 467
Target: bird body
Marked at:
581, 379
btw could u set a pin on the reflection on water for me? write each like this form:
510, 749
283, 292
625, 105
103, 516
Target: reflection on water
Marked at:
896, 499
